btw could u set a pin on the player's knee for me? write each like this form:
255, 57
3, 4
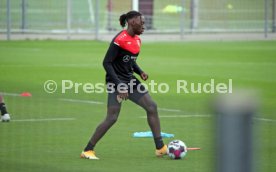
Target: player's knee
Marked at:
112, 119
113, 114
152, 108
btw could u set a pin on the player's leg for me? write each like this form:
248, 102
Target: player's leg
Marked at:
5, 117
103, 127
113, 110
145, 101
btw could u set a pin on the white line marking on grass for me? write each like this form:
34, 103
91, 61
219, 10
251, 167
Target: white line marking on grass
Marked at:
185, 116
204, 116
169, 110
180, 116
55, 65
43, 119
265, 119
9, 94
207, 116
100, 103
82, 101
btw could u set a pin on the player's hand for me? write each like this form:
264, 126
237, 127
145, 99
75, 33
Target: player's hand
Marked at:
123, 95
144, 76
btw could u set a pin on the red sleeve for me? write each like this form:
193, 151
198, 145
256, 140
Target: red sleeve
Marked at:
119, 40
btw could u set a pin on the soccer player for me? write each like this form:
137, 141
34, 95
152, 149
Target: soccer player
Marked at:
120, 64
5, 117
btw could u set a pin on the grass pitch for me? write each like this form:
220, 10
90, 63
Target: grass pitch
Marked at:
48, 132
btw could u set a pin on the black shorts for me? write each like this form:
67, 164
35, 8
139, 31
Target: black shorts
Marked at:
134, 95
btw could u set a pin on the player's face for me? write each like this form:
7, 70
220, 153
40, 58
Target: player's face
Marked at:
138, 25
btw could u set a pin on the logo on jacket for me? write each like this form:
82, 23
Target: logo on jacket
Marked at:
126, 58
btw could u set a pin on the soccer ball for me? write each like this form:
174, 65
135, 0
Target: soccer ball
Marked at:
177, 149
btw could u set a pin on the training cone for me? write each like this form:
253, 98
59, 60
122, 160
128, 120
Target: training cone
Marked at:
193, 149
26, 94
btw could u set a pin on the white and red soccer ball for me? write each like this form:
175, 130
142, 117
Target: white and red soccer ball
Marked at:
177, 149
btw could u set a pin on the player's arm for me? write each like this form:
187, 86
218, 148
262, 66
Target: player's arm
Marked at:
139, 71
111, 54
136, 68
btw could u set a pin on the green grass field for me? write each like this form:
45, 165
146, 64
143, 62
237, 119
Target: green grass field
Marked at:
49, 144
